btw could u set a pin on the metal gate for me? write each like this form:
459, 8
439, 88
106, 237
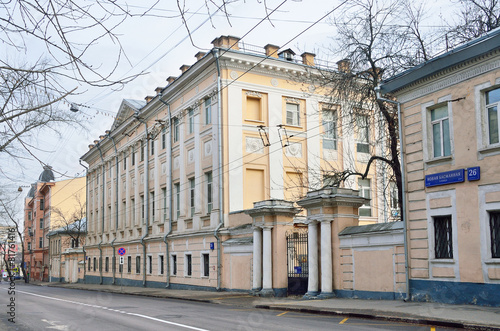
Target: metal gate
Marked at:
297, 261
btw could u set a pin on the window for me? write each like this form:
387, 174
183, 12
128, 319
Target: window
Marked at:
293, 114
362, 124
492, 105
129, 264
152, 196
97, 179
443, 244
253, 111
88, 265
495, 234
150, 264
191, 121
42, 202
191, 195
133, 217
124, 161
174, 264
29, 216
41, 223
133, 157
161, 265
365, 192
206, 265
106, 264
142, 150
142, 208
441, 142
164, 193
394, 199
95, 264
208, 179
188, 265
177, 187
176, 130
29, 246
330, 129
137, 264
152, 147
208, 111
163, 138
40, 242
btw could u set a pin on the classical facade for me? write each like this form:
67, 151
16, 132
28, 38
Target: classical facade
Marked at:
169, 183
49, 205
451, 146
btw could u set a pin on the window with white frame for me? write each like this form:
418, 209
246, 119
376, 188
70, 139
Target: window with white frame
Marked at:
394, 199
494, 220
161, 265
150, 264
365, 192
492, 98
363, 127
188, 265
176, 130
142, 208
292, 114
152, 197
177, 189
163, 138
129, 264
443, 239
138, 264
329, 119
164, 193
142, 150
205, 265
208, 111
191, 121
208, 179
440, 126
173, 264
191, 195
152, 147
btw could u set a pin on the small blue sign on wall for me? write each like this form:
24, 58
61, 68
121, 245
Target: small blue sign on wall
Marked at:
443, 178
212, 246
473, 173
298, 270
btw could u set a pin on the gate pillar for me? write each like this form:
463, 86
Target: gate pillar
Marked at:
335, 209
271, 219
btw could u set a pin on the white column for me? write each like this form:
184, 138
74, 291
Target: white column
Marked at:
312, 250
257, 259
326, 258
267, 259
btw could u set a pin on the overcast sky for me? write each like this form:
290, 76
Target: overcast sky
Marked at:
159, 44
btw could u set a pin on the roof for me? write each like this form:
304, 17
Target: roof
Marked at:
127, 108
47, 175
470, 50
378, 227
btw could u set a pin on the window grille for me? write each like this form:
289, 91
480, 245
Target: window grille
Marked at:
495, 234
443, 243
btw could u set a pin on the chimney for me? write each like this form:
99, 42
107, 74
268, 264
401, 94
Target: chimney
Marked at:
102, 136
170, 79
184, 68
96, 142
199, 55
308, 59
344, 66
226, 42
148, 98
107, 132
271, 50
91, 146
158, 90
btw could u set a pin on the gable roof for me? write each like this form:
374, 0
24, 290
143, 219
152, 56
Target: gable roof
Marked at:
128, 107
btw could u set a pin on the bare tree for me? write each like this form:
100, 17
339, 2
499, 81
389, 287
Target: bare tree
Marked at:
475, 18
72, 223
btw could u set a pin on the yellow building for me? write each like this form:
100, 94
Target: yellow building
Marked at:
169, 183
451, 149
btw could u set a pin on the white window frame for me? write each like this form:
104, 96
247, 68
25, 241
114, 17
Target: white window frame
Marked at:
440, 122
192, 195
362, 192
140, 264
484, 228
482, 125
294, 114
191, 121
177, 188
176, 130
202, 264
171, 271
149, 264
208, 111
330, 127
186, 254
210, 192
362, 138
160, 264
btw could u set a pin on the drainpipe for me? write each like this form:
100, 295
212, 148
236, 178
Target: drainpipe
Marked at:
221, 189
99, 246
171, 195
146, 199
86, 225
403, 187
116, 212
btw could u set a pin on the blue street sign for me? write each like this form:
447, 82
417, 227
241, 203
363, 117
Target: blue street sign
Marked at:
212, 246
121, 251
473, 173
298, 270
443, 178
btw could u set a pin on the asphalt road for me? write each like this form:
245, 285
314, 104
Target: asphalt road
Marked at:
51, 308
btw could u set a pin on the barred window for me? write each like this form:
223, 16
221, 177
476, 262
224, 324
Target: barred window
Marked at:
495, 234
443, 243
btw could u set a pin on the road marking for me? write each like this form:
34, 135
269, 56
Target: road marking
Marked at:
344, 320
283, 313
433, 328
114, 310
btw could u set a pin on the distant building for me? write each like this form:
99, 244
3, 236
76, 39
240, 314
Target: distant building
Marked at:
170, 182
48, 206
451, 151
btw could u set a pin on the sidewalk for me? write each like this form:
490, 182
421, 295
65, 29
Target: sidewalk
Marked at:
457, 316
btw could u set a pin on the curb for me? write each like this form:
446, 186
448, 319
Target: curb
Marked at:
377, 315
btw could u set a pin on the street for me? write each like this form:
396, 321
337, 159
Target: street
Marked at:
40, 308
